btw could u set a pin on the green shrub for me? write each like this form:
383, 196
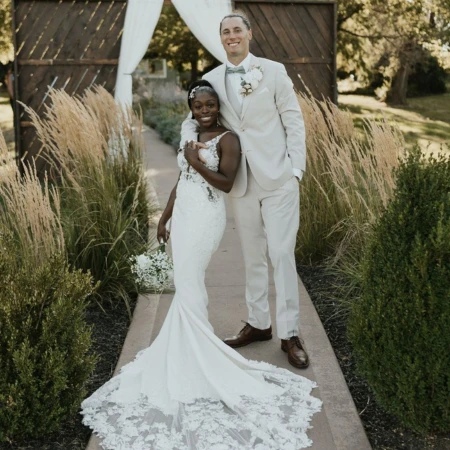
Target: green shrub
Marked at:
44, 343
400, 325
166, 118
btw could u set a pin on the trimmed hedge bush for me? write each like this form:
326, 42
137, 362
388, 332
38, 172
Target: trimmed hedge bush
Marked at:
44, 343
400, 327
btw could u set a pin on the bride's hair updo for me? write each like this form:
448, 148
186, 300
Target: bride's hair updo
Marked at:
198, 87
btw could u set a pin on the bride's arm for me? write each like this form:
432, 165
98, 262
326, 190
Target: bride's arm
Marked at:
228, 166
163, 233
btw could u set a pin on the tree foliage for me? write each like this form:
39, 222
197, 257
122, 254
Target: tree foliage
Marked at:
174, 41
6, 42
390, 36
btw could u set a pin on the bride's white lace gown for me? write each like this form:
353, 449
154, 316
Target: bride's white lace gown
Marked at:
189, 390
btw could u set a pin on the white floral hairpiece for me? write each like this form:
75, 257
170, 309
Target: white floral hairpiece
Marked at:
192, 94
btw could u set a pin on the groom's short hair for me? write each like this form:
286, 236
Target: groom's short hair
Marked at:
237, 13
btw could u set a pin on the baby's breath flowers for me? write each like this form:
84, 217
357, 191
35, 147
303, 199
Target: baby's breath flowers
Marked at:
153, 269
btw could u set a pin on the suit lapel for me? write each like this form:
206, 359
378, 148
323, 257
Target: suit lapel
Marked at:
222, 91
247, 99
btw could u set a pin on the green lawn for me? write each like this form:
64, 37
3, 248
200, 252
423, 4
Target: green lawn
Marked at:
425, 120
434, 107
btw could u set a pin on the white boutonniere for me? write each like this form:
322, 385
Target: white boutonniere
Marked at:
250, 81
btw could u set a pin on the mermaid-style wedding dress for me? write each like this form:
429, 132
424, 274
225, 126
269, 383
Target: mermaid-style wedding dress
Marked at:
189, 390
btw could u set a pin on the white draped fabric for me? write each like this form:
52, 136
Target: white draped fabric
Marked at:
201, 16
140, 22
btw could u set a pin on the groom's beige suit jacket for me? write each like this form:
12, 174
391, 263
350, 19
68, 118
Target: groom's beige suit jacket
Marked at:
270, 127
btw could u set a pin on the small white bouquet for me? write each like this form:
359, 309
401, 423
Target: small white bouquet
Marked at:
153, 269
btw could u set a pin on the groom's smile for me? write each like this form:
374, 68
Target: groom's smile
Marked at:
235, 37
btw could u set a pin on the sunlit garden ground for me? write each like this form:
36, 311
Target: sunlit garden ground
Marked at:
425, 120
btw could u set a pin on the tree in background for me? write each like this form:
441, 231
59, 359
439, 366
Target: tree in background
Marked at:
391, 37
6, 42
174, 41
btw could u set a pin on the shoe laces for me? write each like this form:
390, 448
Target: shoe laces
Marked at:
295, 340
247, 325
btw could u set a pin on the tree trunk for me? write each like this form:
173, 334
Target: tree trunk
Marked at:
194, 69
399, 87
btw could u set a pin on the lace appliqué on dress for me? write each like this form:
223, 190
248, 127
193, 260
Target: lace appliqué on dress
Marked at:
276, 422
211, 156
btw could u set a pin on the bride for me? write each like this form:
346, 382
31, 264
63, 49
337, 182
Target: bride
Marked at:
189, 390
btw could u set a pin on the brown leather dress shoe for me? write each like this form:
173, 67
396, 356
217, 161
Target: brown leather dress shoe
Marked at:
247, 335
297, 355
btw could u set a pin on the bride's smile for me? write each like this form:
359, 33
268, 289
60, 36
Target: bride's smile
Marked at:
205, 109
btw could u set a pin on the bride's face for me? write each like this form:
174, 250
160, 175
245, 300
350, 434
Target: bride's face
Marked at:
205, 109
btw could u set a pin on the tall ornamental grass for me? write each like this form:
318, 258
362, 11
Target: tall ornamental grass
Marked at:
348, 181
94, 149
45, 343
30, 210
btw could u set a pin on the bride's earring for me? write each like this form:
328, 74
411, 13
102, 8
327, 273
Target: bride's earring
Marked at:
217, 121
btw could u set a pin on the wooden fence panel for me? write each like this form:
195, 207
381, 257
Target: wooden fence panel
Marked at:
63, 44
73, 44
301, 34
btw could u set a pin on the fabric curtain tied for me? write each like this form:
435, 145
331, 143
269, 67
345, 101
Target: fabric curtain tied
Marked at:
140, 23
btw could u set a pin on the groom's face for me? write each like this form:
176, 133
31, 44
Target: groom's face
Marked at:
235, 37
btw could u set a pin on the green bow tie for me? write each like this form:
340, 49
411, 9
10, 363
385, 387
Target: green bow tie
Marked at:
238, 69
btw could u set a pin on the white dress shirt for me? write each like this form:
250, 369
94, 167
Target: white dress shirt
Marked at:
236, 79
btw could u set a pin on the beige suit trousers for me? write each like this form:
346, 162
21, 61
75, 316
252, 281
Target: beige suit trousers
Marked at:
269, 220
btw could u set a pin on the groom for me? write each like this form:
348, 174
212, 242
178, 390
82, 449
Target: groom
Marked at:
259, 104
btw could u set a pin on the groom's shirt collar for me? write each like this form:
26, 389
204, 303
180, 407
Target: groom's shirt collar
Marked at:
245, 63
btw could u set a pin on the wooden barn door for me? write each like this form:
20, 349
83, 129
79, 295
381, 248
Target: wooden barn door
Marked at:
62, 44
301, 34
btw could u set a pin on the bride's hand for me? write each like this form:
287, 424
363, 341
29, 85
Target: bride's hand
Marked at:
191, 152
163, 233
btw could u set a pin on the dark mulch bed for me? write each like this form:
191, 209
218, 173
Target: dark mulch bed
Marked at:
110, 328
383, 431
